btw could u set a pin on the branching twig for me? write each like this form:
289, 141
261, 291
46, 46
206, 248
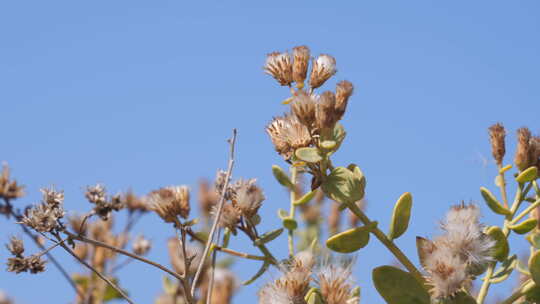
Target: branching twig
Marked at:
232, 142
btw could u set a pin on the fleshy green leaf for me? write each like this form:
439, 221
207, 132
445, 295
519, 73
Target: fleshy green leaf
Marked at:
313, 296
344, 186
338, 135
328, 144
290, 223
350, 240
501, 248
493, 203
527, 175
399, 287
306, 198
282, 177
268, 237
400, 216
308, 154
534, 267
505, 270
524, 227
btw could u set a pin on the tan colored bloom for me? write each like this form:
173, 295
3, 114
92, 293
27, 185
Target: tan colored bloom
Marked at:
288, 134
303, 107
9, 189
170, 202
323, 68
335, 282
300, 64
248, 197
15, 246
279, 66
344, 90
230, 217
207, 197
141, 246
326, 114
497, 133
524, 150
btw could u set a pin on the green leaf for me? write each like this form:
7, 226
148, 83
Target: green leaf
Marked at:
524, 227
533, 295
308, 154
400, 216
268, 237
313, 296
282, 177
527, 175
534, 267
506, 269
111, 293
306, 198
399, 287
328, 144
501, 248
290, 223
344, 186
338, 135
493, 203
350, 240
259, 273
282, 214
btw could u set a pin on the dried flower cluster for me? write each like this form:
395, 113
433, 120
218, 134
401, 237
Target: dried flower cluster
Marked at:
104, 205
452, 258
528, 150
45, 217
9, 189
18, 263
170, 203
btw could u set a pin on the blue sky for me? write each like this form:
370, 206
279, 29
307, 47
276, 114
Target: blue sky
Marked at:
143, 94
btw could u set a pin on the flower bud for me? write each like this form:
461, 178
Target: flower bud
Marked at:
496, 136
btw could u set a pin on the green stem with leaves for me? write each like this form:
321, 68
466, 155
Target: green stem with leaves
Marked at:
294, 172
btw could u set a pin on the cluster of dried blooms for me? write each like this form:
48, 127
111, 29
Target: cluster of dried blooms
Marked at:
453, 259
18, 263
313, 116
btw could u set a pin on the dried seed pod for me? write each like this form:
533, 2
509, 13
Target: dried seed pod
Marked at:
323, 68
279, 66
497, 134
170, 202
344, 90
304, 108
326, 115
300, 64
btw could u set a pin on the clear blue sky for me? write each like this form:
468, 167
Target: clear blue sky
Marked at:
143, 94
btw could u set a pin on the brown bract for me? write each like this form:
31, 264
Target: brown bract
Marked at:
497, 134
279, 66
300, 64
322, 69
288, 134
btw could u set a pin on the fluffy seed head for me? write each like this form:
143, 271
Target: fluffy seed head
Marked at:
274, 294
300, 64
335, 282
344, 90
170, 202
52, 197
323, 68
96, 194
230, 216
288, 134
497, 133
43, 217
141, 246
248, 197
279, 66
225, 283
176, 254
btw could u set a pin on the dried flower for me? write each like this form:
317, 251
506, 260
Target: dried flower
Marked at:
288, 134
220, 182
9, 189
279, 66
230, 217
274, 294
446, 273
207, 198
323, 68
43, 217
225, 283
344, 90
52, 197
335, 282
300, 64
170, 202
248, 197
35, 264
133, 203
96, 194
15, 246
525, 149
497, 133
303, 107
193, 254
141, 246
17, 265
326, 115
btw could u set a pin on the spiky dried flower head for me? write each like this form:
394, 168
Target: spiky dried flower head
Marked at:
272, 293
322, 69
497, 134
134, 203
141, 245
33, 264
288, 134
43, 217
193, 256
279, 66
304, 107
170, 202
335, 282
447, 274
96, 194
344, 90
230, 216
9, 189
221, 180
301, 56
15, 246
528, 150
326, 114
207, 198
248, 197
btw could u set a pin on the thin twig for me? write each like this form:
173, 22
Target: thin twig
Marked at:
124, 252
232, 142
211, 278
99, 274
